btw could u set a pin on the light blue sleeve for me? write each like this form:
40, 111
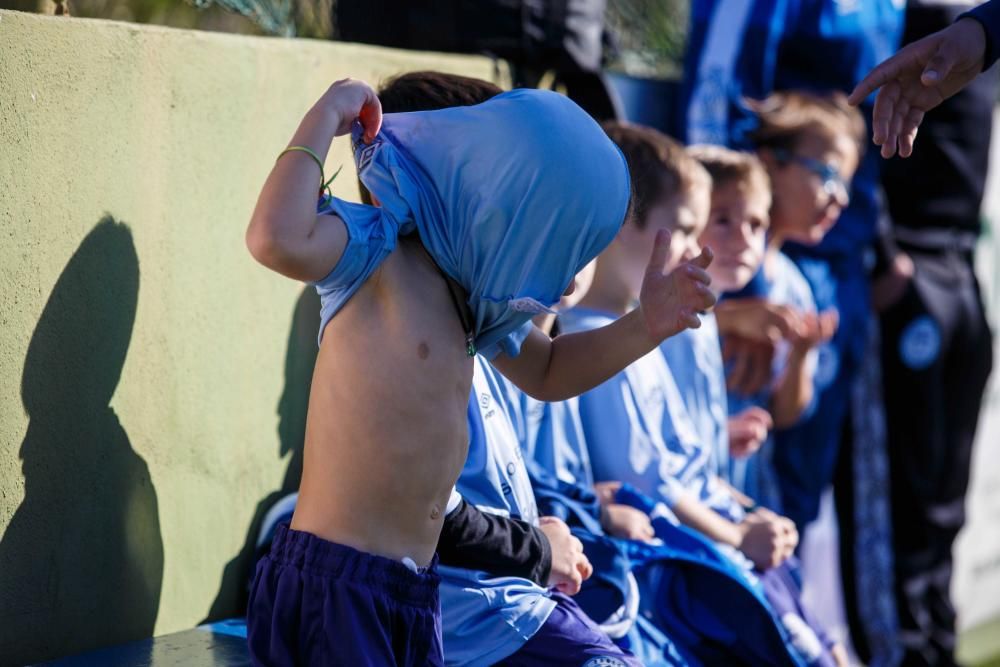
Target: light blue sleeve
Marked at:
371, 236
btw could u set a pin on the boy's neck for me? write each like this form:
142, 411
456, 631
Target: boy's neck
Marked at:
607, 295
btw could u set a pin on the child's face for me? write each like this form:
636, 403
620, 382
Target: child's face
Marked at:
810, 185
736, 231
683, 215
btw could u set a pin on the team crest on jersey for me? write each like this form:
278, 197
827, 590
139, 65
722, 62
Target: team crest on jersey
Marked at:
484, 401
365, 156
605, 661
920, 343
827, 365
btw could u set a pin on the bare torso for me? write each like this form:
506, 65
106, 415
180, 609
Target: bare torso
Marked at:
386, 432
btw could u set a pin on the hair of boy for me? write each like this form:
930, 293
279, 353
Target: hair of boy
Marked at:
727, 166
783, 118
660, 167
430, 91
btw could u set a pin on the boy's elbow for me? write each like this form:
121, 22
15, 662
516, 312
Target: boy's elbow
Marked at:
263, 244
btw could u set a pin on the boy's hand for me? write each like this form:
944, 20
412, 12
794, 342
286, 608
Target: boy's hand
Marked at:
756, 319
569, 566
767, 539
748, 431
626, 522
816, 328
606, 491
670, 303
748, 363
350, 99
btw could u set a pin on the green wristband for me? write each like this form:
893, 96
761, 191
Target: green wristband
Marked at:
324, 184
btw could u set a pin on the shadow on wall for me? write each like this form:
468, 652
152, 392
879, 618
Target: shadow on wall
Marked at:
300, 358
81, 563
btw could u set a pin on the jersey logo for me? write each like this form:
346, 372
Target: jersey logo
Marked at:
365, 156
605, 661
920, 343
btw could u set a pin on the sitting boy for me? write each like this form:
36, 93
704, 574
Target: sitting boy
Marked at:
465, 247
638, 426
810, 147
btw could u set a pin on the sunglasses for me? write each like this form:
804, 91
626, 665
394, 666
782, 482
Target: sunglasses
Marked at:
830, 176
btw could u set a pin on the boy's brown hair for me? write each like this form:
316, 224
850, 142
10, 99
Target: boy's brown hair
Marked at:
727, 166
785, 116
430, 91
659, 166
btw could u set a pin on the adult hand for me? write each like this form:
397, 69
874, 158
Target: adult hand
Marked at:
748, 430
626, 522
570, 566
918, 78
671, 302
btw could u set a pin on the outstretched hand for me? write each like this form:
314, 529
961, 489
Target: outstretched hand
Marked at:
918, 78
671, 302
351, 99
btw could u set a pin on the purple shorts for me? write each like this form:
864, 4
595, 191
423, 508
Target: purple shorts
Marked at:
570, 638
314, 602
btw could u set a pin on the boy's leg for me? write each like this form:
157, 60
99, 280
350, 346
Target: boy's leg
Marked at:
569, 637
314, 602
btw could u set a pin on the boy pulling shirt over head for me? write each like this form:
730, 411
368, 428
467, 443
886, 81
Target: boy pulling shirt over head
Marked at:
463, 249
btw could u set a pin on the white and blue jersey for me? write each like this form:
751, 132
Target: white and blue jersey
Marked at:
487, 618
639, 431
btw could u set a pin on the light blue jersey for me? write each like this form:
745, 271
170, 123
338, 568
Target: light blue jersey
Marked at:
554, 439
639, 430
695, 360
783, 284
487, 618
477, 184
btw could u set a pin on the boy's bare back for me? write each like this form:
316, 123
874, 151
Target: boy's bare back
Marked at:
386, 433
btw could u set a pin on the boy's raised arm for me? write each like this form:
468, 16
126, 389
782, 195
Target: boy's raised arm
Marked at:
285, 234
556, 369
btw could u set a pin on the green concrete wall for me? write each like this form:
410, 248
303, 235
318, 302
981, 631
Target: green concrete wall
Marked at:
153, 378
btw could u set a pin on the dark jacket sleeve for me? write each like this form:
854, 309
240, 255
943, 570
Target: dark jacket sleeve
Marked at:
498, 545
988, 15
